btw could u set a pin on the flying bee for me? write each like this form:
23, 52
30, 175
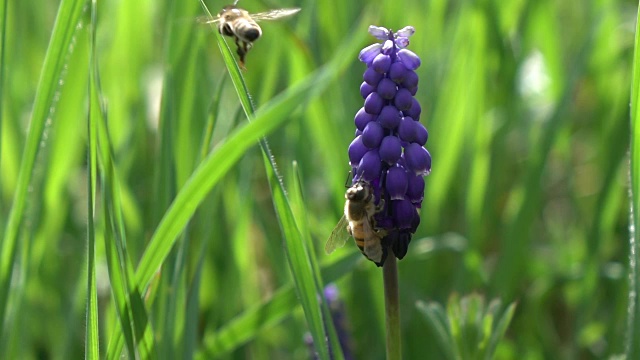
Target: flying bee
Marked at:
358, 222
242, 26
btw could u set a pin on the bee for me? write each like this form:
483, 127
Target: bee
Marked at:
242, 26
358, 222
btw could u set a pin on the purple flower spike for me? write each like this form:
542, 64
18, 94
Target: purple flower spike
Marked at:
331, 293
367, 54
414, 111
387, 47
397, 183
388, 152
381, 63
418, 159
402, 42
370, 166
372, 135
363, 118
415, 188
397, 72
389, 117
366, 89
387, 89
379, 32
421, 134
409, 59
373, 103
406, 31
410, 79
390, 149
407, 129
403, 213
403, 99
372, 77
356, 151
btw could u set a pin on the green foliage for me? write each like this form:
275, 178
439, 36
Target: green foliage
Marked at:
142, 214
633, 316
469, 328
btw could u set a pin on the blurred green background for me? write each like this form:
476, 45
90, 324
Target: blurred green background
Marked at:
527, 107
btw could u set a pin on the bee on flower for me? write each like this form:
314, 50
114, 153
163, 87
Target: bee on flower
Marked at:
387, 156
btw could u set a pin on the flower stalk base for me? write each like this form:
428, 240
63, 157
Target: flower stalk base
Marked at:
392, 308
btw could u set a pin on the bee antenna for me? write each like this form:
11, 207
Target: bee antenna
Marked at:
235, 2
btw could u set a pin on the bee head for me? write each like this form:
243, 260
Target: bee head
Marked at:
230, 12
358, 192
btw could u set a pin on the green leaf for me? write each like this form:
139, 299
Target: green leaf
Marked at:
497, 333
437, 320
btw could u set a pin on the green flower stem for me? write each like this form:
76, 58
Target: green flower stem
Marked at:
392, 307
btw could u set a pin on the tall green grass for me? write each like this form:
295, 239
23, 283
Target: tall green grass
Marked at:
157, 202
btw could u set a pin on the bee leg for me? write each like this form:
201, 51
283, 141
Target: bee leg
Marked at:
241, 51
245, 49
380, 206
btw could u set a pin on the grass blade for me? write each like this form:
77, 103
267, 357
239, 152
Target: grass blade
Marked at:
245, 326
92, 350
300, 214
133, 316
3, 32
303, 274
633, 315
131, 309
68, 16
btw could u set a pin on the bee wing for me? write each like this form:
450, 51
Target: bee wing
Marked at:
274, 14
338, 237
206, 19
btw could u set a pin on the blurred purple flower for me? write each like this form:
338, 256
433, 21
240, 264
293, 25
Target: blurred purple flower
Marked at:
388, 151
340, 322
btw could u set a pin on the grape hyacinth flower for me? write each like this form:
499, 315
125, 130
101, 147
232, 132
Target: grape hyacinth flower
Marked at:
340, 322
388, 151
